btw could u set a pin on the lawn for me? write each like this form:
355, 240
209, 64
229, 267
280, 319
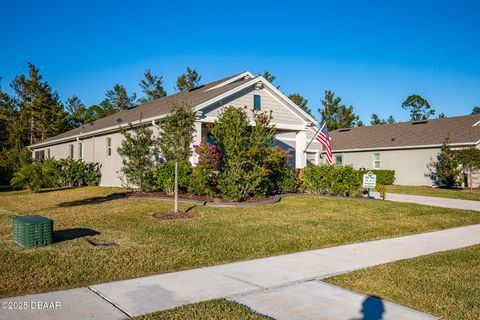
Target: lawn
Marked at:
464, 194
214, 236
209, 310
443, 284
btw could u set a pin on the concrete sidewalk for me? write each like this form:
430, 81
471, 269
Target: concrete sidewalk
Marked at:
252, 282
432, 201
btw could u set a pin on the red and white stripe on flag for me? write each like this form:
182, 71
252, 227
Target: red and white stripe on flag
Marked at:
323, 137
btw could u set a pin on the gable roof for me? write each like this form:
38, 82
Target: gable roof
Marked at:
462, 130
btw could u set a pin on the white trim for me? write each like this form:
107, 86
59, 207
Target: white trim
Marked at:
240, 76
226, 94
404, 147
476, 123
92, 133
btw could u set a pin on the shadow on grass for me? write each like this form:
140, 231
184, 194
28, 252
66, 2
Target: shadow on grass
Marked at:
56, 189
87, 201
71, 234
5, 189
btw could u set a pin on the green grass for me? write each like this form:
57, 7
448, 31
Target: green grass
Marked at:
464, 194
444, 284
209, 310
215, 236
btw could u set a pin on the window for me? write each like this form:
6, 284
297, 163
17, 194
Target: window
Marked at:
338, 160
376, 161
40, 155
70, 150
256, 102
48, 153
80, 150
109, 146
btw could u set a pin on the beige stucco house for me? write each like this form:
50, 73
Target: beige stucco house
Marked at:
405, 147
98, 141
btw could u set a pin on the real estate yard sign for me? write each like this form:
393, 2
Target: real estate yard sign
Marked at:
369, 181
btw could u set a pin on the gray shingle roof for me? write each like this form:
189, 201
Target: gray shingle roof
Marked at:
460, 130
153, 108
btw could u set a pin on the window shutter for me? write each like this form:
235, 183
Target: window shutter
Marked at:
256, 102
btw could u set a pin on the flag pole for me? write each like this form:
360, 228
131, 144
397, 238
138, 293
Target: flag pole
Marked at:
313, 138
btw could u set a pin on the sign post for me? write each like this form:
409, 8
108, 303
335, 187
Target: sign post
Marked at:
369, 181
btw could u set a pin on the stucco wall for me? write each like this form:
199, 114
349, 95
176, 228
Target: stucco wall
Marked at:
410, 165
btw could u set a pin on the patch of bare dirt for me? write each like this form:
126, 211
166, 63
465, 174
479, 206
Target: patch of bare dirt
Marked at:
172, 215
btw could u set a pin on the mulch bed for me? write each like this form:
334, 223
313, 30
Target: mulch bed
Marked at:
173, 215
189, 196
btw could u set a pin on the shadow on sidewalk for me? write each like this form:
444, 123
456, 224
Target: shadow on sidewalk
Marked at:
372, 308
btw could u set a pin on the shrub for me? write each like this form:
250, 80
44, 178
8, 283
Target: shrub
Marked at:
72, 172
51, 173
331, 180
250, 164
164, 176
92, 174
445, 172
36, 175
380, 188
204, 177
385, 177
138, 151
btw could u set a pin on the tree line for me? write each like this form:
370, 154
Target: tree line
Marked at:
337, 115
34, 111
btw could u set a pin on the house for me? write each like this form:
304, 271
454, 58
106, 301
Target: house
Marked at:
405, 147
98, 141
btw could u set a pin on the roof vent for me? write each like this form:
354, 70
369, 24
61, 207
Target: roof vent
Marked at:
420, 122
119, 120
345, 130
393, 139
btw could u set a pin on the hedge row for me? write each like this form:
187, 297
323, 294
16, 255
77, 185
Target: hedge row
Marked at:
385, 177
331, 180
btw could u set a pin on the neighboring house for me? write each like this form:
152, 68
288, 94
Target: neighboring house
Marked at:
405, 147
98, 141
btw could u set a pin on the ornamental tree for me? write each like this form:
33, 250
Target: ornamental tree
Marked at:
176, 137
469, 158
446, 170
138, 151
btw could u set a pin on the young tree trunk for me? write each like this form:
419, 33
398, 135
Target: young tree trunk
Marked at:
470, 176
176, 187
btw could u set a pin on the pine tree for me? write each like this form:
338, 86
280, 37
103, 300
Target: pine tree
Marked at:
187, 81
300, 101
40, 111
418, 107
269, 77
118, 99
76, 111
152, 86
375, 120
337, 115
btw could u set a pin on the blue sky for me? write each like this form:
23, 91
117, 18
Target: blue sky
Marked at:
371, 53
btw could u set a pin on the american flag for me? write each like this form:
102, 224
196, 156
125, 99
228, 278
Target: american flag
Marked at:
323, 137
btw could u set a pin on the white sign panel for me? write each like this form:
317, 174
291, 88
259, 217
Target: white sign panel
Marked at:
369, 180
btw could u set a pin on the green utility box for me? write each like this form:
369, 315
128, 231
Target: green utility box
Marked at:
32, 231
